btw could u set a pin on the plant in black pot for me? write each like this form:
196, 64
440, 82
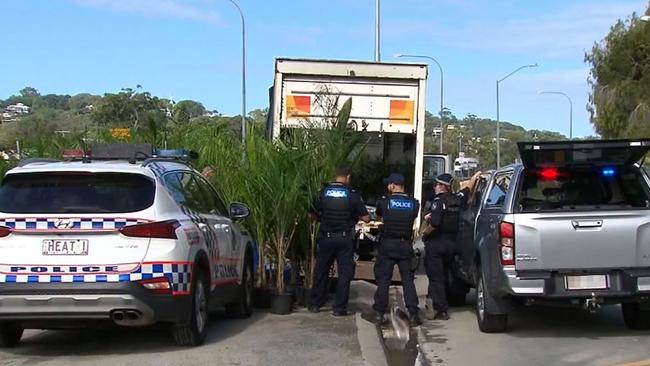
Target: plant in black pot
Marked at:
310, 262
240, 175
281, 300
286, 203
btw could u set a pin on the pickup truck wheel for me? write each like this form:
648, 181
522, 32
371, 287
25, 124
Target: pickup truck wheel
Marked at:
487, 322
456, 290
243, 306
635, 316
10, 335
193, 333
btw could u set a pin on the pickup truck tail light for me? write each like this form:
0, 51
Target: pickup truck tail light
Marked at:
507, 243
160, 229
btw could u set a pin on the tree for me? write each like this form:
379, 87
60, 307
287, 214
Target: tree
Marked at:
181, 114
129, 108
79, 102
185, 110
29, 92
258, 116
619, 102
53, 101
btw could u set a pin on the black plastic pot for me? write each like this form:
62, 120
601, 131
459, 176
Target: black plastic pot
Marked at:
262, 298
281, 304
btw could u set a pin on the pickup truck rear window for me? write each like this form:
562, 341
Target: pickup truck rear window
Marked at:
75, 192
557, 189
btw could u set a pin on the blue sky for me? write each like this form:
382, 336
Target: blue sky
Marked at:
190, 49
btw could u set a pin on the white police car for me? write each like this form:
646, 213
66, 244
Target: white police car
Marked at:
127, 242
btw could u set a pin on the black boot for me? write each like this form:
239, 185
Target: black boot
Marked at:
414, 320
338, 313
441, 315
381, 318
314, 309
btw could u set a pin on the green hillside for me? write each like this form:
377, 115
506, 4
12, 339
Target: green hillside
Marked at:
84, 116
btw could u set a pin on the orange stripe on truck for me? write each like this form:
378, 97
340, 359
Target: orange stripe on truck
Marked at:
401, 111
298, 106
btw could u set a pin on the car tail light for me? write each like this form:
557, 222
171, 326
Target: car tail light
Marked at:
549, 173
158, 285
4, 231
160, 229
507, 243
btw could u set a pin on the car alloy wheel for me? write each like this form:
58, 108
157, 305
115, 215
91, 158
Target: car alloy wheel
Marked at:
200, 306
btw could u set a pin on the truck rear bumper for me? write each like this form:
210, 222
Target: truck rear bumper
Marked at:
622, 284
518, 286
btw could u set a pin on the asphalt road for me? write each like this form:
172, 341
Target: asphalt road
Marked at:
298, 339
538, 336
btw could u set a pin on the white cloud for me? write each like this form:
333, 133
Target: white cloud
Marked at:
306, 36
156, 9
567, 32
571, 30
566, 77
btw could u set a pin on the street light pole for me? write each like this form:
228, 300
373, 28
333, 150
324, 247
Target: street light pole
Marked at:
377, 30
498, 117
442, 90
243, 71
570, 109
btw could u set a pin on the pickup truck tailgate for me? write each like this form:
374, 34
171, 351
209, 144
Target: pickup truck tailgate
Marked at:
590, 240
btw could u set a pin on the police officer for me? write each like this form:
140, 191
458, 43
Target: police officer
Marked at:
442, 214
338, 208
398, 211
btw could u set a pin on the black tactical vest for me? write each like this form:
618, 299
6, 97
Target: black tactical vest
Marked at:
451, 214
399, 212
335, 205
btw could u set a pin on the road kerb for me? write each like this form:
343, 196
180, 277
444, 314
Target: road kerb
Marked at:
372, 350
636, 363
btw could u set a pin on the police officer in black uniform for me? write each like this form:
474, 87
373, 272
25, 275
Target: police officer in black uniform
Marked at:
442, 214
398, 211
338, 208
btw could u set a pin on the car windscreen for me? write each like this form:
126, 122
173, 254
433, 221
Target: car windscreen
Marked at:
75, 192
559, 189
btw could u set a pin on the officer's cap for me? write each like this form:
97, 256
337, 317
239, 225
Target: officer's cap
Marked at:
395, 178
445, 179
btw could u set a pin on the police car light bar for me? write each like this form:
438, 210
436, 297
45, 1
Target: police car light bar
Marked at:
181, 154
73, 154
121, 151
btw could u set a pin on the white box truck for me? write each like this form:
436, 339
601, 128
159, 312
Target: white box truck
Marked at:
388, 107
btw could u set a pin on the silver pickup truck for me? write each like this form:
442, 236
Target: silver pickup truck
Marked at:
569, 225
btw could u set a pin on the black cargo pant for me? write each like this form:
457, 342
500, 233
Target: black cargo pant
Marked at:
330, 249
437, 256
395, 252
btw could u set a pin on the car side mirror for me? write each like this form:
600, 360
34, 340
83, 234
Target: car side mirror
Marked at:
238, 211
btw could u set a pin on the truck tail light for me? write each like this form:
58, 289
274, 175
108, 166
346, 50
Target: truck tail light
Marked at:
507, 243
4, 231
158, 285
160, 229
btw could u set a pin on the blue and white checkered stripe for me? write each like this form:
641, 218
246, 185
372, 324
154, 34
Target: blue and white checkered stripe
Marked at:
45, 223
179, 275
